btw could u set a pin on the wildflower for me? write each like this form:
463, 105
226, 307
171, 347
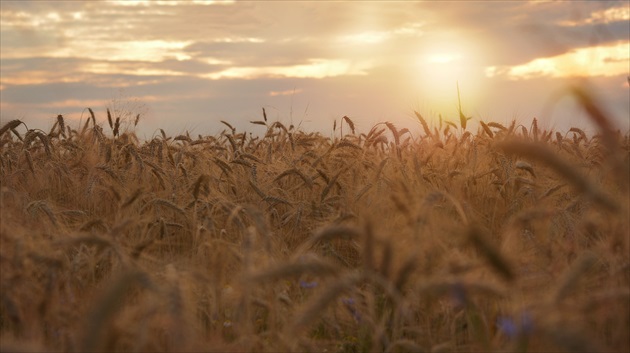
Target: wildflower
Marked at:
348, 301
308, 285
350, 305
516, 328
507, 326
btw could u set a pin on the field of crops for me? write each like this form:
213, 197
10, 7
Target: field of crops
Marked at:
510, 238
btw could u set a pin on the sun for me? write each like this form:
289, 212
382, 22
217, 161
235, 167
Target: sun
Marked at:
443, 58
439, 74
441, 67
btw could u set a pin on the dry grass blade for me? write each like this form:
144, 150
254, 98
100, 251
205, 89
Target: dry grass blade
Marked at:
394, 131
109, 119
334, 232
597, 114
232, 142
350, 123
404, 345
386, 261
580, 132
572, 275
534, 128
132, 198
368, 249
545, 155
109, 303
138, 249
62, 125
286, 173
524, 131
374, 133
525, 166
327, 234
330, 184
405, 272
463, 120
29, 160
559, 138
345, 143
224, 166
93, 117
497, 126
164, 203
99, 242
257, 190
202, 182
42, 206
250, 157
228, 125
116, 127
498, 262
46, 142
182, 138
443, 287
313, 265
319, 303
273, 200
95, 223
486, 129
425, 126
362, 192
572, 340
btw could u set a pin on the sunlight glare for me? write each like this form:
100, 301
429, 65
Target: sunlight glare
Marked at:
442, 66
443, 58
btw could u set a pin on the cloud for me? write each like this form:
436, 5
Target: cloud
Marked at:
363, 58
285, 92
135, 3
315, 68
609, 15
610, 60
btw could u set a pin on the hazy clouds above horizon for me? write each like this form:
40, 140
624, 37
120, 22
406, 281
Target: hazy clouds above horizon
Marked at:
185, 65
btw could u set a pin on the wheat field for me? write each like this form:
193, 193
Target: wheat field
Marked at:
507, 239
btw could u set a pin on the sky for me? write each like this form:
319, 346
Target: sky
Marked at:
187, 65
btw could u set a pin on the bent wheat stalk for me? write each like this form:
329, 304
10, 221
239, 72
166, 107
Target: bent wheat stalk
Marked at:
548, 157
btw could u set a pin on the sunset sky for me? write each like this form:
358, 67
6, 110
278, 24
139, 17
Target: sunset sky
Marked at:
186, 65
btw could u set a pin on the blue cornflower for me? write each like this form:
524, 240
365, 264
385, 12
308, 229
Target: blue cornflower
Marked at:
350, 305
305, 284
512, 329
507, 326
348, 301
